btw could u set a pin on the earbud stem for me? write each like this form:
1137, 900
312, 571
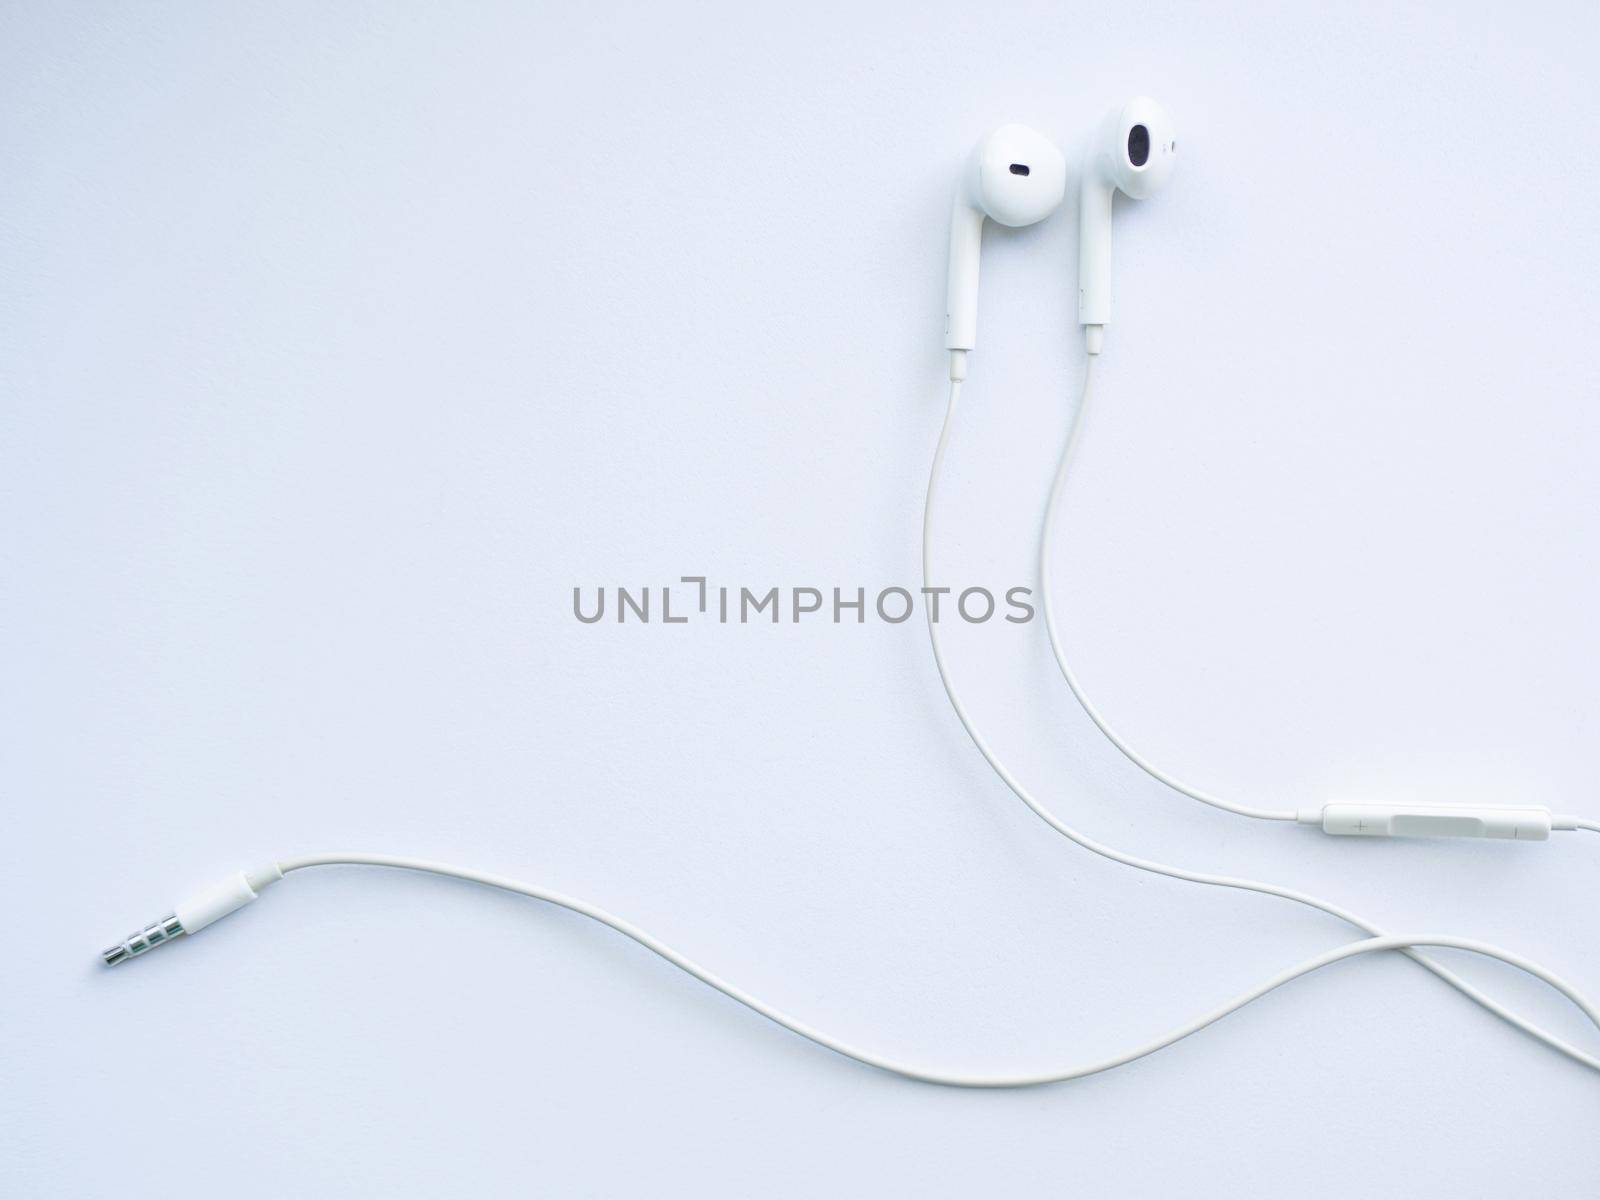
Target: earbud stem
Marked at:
1094, 256
961, 299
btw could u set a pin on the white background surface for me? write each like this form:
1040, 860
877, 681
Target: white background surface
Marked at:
341, 342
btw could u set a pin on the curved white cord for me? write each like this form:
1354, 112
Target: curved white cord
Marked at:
231, 894
1045, 545
926, 1074
1144, 864
1047, 540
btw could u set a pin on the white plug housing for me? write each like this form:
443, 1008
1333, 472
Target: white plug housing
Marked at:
217, 901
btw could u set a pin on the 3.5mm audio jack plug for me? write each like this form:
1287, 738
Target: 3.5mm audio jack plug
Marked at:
194, 914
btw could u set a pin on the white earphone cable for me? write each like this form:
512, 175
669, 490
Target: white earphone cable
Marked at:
1053, 505
1045, 546
1144, 864
227, 896
927, 1074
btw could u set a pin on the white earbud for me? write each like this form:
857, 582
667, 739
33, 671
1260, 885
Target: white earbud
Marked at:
1015, 176
1132, 152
